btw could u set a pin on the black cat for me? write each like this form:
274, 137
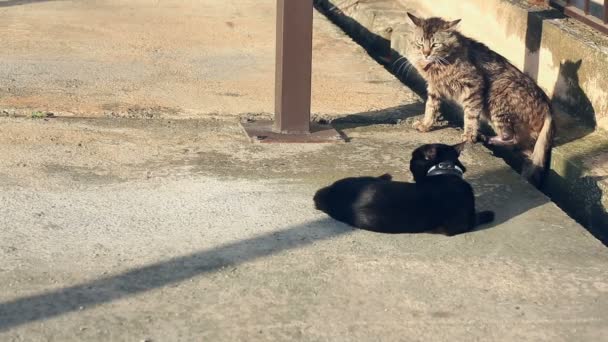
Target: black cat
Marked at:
439, 202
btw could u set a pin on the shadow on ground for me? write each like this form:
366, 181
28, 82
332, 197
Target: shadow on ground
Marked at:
388, 116
493, 194
58, 302
10, 3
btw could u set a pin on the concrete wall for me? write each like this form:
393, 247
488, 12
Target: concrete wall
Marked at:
568, 60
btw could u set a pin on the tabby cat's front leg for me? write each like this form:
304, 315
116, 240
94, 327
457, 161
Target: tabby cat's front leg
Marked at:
472, 105
431, 112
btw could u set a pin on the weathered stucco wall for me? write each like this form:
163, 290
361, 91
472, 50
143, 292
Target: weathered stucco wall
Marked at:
568, 60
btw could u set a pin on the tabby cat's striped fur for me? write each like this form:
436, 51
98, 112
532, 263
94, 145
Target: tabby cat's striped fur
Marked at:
486, 85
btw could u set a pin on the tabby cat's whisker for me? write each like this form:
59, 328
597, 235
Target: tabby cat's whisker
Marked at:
445, 61
399, 66
404, 66
440, 60
408, 69
397, 60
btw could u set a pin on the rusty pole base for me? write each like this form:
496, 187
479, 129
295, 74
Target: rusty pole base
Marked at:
263, 132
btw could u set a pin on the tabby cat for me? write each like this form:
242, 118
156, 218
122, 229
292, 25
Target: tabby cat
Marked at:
440, 201
487, 86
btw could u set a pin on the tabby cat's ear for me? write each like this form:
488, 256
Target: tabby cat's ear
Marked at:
417, 21
451, 24
460, 147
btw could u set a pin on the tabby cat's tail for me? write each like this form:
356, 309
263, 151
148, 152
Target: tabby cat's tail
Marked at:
538, 165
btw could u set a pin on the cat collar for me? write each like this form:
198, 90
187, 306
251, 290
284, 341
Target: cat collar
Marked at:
445, 168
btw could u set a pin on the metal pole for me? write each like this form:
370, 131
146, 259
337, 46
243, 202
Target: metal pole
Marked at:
292, 87
293, 66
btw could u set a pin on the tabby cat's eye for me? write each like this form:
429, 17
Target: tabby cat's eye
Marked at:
436, 45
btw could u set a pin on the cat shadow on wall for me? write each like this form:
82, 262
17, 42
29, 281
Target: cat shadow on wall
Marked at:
574, 113
575, 119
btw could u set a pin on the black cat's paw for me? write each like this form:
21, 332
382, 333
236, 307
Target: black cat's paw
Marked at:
469, 137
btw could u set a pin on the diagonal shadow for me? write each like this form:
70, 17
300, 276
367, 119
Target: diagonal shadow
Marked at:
10, 3
387, 116
377, 47
46, 305
492, 187
391, 116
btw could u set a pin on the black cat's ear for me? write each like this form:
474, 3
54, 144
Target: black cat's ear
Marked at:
417, 21
578, 64
386, 176
460, 147
464, 169
451, 24
430, 153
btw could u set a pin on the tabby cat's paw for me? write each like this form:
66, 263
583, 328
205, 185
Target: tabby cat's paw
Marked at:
469, 137
421, 127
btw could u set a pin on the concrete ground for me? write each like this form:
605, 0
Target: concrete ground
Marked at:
170, 58
179, 229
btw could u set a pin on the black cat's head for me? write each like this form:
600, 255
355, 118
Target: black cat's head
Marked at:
427, 156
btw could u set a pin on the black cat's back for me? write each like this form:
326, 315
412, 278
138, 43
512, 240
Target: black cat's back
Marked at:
338, 199
386, 206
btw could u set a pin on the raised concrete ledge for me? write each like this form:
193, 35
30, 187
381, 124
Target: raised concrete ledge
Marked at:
540, 41
568, 59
